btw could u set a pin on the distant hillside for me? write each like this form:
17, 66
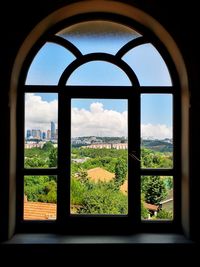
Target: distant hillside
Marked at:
157, 145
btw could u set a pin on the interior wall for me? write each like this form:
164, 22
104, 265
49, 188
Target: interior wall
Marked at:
24, 16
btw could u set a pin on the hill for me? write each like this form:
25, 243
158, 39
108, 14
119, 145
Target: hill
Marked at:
158, 145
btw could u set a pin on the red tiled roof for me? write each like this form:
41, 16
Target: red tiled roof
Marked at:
151, 206
39, 211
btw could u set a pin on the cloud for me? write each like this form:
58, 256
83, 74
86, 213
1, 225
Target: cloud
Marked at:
158, 131
98, 121
95, 121
39, 113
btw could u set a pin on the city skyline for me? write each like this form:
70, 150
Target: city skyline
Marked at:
105, 117
42, 135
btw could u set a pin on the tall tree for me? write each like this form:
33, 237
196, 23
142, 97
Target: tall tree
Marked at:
154, 189
53, 157
120, 172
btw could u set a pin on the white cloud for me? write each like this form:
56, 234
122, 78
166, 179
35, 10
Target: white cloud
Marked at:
98, 121
39, 113
158, 131
95, 121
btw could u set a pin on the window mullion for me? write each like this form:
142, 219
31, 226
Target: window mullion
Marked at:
64, 121
134, 157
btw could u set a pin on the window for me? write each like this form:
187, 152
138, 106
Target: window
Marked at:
99, 138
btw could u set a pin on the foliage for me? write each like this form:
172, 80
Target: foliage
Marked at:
78, 191
153, 159
36, 162
40, 188
48, 146
154, 189
103, 199
144, 211
169, 182
120, 172
164, 214
53, 157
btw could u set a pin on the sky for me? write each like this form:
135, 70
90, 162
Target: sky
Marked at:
101, 117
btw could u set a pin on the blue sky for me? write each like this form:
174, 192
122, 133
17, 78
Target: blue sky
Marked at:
155, 108
51, 60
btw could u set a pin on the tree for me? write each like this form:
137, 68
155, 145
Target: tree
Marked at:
165, 215
47, 146
120, 172
53, 157
154, 189
102, 199
144, 211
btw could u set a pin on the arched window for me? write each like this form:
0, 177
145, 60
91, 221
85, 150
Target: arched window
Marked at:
99, 131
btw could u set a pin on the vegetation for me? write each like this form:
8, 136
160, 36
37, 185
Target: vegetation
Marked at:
120, 172
99, 197
153, 188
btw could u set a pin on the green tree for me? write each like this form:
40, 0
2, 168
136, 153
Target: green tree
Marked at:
164, 214
53, 157
154, 189
101, 199
47, 146
120, 172
35, 162
78, 191
144, 211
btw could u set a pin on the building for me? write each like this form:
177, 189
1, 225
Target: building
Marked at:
53, 130
28, 134
108, 146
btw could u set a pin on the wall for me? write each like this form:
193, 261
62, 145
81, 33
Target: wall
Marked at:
179, 20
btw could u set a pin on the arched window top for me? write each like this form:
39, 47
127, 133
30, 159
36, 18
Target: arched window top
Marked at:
99, 37
99, 73
48, 65
148, 65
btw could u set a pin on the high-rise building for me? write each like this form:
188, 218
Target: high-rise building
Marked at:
53, 130
48, 134
28, 134
36, 133
43, 135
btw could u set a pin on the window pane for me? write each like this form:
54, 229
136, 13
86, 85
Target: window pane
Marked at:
40, 197
41, 130
148, 66
156, 131
98, 36
99, 73
157, 197
48, 65
99, 156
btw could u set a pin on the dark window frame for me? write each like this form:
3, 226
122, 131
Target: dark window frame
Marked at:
105, 224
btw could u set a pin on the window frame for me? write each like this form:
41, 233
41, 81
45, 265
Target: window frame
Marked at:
109, 224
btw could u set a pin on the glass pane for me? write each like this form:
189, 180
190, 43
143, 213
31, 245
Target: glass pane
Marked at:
48, 65
156, 131
99, 156
157, 198
40, 197
98, 36
41, 130
148, 66
99, 73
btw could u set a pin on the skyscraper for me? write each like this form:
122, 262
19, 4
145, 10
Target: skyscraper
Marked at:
53, 130
28, 134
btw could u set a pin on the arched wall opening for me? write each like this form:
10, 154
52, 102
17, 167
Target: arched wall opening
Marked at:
138, 16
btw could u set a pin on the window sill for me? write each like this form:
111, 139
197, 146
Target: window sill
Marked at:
48, 248
146, 238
